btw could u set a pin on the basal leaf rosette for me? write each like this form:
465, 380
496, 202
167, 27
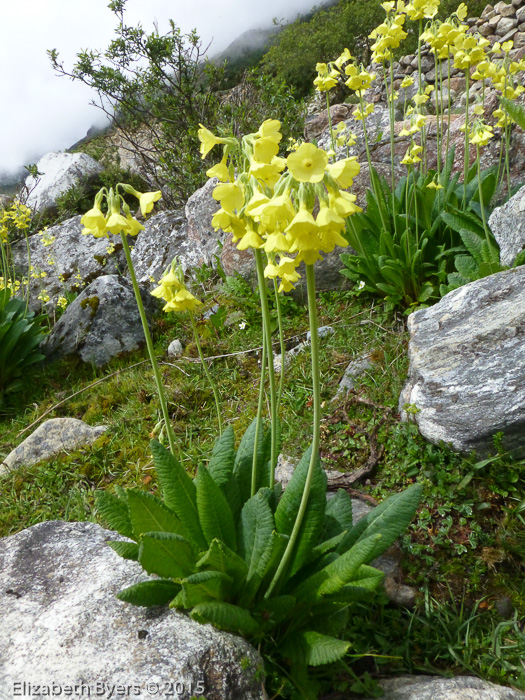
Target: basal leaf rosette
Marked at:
270, 205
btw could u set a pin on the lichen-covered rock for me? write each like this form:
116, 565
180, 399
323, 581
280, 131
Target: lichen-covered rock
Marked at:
202, 237
101, 323
507, 224
49, 439
467, 365
437, 688
62, 624
64, 260
60, 171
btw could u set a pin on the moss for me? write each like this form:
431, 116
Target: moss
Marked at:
93, 303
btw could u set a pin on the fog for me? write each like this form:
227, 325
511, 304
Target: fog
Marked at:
43, 112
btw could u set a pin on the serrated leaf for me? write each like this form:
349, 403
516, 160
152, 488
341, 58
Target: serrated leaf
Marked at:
256, 540
322, 649
242, 468
202, 587
272, 611
221, 558
150, 593
215, 514
179, 493
313, 520
115, 512
222, 458
226, 616
126, 550
149, 514
166, 554
389, 519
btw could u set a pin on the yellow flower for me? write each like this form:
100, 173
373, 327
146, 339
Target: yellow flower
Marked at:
134, 226
481, 134
343, 58
344, 171
117, 223
230, 195
307, 163
434, 186
208, 140
95, 222
182, 301
251, 239
147, 199
264, 149
270, 129
220, 171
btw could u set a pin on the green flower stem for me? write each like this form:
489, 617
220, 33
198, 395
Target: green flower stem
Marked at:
439, 113
259, 414
316, 432
449, 105
281, 343
206, 372
391, 109
480, 190
263, 292
466, 155
149, 345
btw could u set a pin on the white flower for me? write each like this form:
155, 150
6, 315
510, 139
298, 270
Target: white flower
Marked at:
361, 285
242, 325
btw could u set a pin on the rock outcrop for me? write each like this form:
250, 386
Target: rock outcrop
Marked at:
507, 224
60, 171
62, 626
467, 354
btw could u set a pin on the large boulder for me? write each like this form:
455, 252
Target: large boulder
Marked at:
63, 260
466, 377
507, 223
62, 627
60, 171
101, 323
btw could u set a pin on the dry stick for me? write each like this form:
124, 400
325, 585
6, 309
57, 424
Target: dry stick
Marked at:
90, 386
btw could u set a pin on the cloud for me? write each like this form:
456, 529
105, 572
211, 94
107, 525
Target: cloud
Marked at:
43, 112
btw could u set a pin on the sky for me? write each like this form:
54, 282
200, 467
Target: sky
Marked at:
42, 112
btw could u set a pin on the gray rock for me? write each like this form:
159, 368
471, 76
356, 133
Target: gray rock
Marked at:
437, 688
49, 439
203, 239
467, 360
507, 224
354, 370
175, 348
322, 332
61, 623
101, 323
60, 172
520, 14
163, 237
68, 259
505, 25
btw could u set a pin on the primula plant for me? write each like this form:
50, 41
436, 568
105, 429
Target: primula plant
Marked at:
230, 547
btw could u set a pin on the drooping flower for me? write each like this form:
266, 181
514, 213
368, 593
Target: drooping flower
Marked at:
147, 199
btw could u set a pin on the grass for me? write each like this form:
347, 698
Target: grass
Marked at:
465, 550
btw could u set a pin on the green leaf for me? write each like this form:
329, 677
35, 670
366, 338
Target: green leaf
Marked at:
272, 611
126, 550
389, 519
202, 587
115, 512
313, 520
215, 514
473, 243
179, 493
166, 554
150, 593
322, 649
226, 616
256, 540
242, 468
514, 110
221, 558
467, 266
149, 514
338, 514
223, 457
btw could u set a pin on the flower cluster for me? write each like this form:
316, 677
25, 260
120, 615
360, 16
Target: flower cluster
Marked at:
173, 290
17, 216
390, 33
100, 225
271, 204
